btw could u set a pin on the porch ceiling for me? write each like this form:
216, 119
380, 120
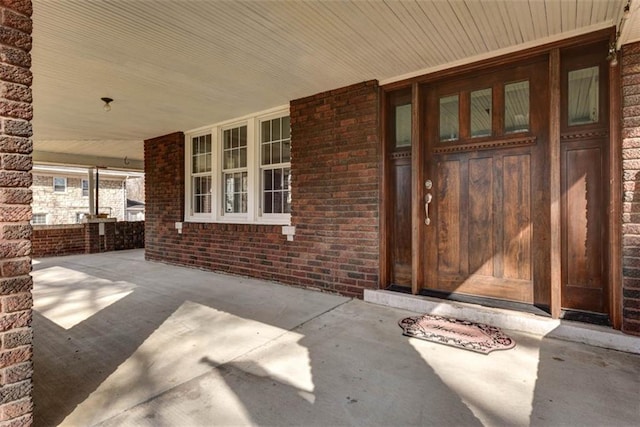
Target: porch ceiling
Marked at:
175, 65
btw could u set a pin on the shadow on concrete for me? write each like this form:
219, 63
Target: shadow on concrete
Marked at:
168, 326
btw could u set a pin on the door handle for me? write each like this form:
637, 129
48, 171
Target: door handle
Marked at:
427, 199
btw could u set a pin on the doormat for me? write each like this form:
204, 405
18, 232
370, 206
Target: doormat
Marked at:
463, 334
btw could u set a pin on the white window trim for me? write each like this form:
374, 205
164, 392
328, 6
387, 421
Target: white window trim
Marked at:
217, 214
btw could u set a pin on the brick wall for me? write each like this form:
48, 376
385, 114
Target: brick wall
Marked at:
334, 208
16, 367
129, 235
335, 168
57, 240
631, 187
69, 239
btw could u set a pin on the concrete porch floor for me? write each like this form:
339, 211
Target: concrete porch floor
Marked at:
120, 341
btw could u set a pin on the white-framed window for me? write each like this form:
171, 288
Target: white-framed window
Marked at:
201, 174
239, 171
39, 219
275, 166
235, 177
85, 188
59, 184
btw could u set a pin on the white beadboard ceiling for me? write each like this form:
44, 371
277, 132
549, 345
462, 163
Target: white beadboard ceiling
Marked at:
178, 65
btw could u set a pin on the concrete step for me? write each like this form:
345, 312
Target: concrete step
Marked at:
599, 336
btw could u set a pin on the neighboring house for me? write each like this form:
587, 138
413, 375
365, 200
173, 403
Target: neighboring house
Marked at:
487, 182
61, 195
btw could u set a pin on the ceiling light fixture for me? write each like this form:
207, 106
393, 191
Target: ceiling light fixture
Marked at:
107, 103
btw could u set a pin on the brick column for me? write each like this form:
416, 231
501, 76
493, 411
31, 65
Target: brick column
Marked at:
631, 185
164, 194
16, 366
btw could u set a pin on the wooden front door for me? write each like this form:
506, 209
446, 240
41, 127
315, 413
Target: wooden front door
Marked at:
486, 213
496, 183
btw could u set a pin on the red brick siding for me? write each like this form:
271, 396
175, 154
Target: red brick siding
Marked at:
129, 235
16, 346
335, 203
69, 239
335, 169
164, 196
57, 240
631, 188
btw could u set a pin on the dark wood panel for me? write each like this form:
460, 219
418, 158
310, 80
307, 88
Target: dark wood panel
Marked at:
481, 243
516, 212
401, 223
487, 286
448, 196
583, 283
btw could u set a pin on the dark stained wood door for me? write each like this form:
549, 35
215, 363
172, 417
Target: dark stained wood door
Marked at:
488, 204
480, 238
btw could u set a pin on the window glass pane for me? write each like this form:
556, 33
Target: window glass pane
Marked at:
242, 139
275, 152
403, 125
516, 107
449, 124
275, 129
266, 131
286, 151
266, 154
226, 135
268, 203
267, 177
481, 113
583, 96
243, 157
228, 159
277, 179
287, 200
286, 128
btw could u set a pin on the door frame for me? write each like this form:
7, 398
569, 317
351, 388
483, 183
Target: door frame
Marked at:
614, 220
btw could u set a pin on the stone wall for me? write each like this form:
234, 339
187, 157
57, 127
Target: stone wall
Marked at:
65, 207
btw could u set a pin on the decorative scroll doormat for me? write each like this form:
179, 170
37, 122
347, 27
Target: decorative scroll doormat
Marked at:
463, 334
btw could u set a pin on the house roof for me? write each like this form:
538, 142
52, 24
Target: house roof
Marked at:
174, 65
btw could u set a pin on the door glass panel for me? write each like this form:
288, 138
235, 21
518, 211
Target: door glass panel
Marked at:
449, 124
481, 113
403, 125
516, 107
583, 96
